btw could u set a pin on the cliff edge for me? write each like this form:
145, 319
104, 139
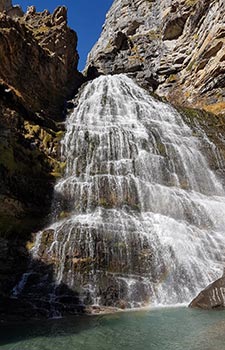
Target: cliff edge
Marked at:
175, 48
38, 73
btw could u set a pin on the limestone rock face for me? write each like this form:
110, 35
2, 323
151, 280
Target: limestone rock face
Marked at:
176, 48
213, 297
38, 60
38, 73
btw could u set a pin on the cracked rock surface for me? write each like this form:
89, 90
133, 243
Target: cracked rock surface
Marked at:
175, 48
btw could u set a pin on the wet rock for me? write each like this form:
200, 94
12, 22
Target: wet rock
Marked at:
111, 257
213, 297
206, 126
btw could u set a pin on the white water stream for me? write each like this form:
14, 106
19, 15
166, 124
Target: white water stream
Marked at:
146, 215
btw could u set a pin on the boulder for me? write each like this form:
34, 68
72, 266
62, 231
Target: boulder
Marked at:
212, 297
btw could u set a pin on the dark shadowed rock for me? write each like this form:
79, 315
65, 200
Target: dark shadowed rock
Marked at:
92, 72
38, 73
7, 7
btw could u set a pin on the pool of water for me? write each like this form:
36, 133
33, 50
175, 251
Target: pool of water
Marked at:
157, 329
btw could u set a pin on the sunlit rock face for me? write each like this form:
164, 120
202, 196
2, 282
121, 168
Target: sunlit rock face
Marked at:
137, 215
175, 48
42, 72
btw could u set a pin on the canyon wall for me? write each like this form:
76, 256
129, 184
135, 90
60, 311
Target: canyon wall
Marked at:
38, 73
175, 48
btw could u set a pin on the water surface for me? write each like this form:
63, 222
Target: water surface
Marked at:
158, 329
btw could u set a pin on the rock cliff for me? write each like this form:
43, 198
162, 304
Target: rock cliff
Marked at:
172, 48
38, 60
175, 48
38, 73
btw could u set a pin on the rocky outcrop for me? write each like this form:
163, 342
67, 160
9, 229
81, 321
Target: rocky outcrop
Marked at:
213, 297
9, 9
175, 48
38, 61
38, 73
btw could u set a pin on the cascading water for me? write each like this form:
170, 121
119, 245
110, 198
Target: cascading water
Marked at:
143, 213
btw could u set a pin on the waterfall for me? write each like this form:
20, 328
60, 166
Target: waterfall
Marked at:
141, 215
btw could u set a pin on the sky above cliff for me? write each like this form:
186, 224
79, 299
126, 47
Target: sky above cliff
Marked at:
86, 17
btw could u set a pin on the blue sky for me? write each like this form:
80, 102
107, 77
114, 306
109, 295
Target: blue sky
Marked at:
86, 17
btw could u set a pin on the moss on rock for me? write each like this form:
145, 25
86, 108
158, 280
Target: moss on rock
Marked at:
209, 128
